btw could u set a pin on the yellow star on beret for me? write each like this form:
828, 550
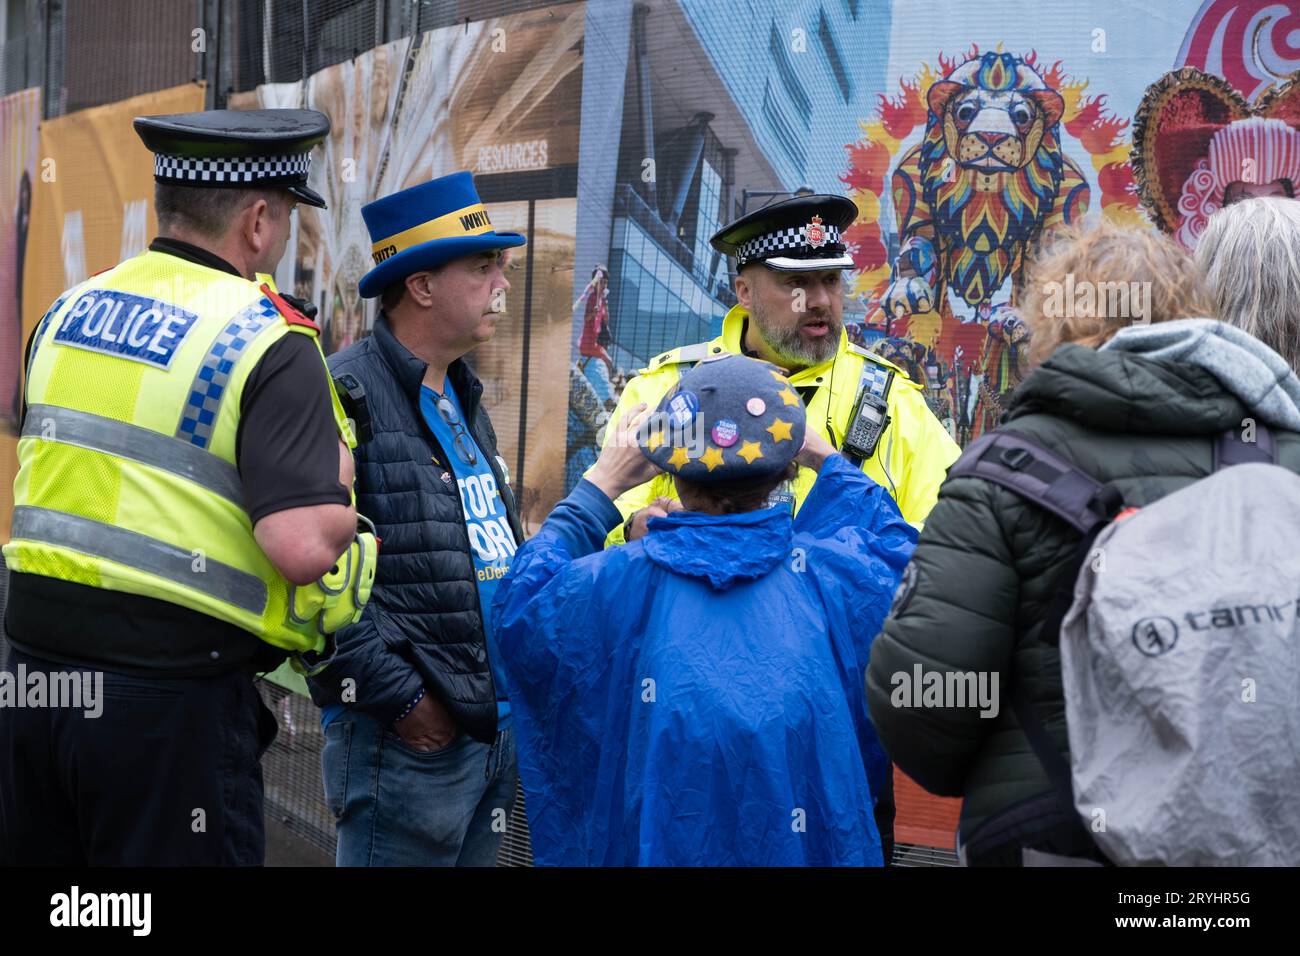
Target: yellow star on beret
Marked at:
779, 377
654, 441
789, 397
780, 430
711, 458
679, 459
749, 451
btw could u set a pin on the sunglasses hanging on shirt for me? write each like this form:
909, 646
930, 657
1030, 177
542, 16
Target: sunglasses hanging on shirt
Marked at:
464, 446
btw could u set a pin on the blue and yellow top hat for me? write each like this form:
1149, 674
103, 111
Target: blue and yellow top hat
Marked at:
425, 226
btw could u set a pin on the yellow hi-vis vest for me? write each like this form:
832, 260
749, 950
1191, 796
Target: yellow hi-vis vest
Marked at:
127, 477
910, 462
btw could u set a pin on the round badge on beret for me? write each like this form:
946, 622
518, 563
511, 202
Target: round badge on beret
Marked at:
682, 408
725, 433
756, 406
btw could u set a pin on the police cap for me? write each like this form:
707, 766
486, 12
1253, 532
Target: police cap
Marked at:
247, 149
794, 235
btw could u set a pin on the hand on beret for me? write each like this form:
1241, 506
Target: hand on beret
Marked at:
815, 451
621, 465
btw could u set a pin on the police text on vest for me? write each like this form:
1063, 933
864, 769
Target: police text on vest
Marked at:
131, 326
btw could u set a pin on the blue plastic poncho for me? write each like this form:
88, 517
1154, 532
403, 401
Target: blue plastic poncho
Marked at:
696, 697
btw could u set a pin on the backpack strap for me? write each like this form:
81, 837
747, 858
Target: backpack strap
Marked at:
1054, 484
1058, 771
1040, 476
1230, 449
1066, 829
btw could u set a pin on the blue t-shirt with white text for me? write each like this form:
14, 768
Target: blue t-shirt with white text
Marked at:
492, 542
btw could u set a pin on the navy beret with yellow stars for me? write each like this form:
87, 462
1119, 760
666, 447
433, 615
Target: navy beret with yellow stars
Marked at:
730, 417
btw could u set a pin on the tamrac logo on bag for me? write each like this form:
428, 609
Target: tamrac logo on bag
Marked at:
119, 323
1154, 636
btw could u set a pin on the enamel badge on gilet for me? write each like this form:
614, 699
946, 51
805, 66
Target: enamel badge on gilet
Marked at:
132, 326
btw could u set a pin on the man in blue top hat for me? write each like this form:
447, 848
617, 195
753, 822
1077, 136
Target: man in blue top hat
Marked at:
419, 764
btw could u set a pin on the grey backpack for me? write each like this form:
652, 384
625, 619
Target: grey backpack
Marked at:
1180, 657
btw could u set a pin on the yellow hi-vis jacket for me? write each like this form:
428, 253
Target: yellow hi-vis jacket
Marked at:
911, 459
127, 478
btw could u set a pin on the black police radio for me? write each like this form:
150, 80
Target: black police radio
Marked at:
352, 396
869, 421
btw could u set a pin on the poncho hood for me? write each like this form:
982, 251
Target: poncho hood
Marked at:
721, 549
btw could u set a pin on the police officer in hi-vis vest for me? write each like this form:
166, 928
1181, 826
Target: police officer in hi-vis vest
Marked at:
183, 517
790, 262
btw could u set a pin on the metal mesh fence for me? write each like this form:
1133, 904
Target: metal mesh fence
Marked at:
280, 41
295, 794
291, 769
907, 855
108, 50
13, 65
93, 52
14, 38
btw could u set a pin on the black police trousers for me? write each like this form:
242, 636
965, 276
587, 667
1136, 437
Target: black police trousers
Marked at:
167, 773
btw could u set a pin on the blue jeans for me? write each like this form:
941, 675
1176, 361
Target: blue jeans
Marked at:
396, 806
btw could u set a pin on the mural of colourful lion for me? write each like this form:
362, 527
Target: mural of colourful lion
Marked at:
989, 172
988, 176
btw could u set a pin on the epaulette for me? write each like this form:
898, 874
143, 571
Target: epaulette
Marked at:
687, 354
878, 359
290, 315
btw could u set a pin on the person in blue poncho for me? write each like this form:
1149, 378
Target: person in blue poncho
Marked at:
696, 697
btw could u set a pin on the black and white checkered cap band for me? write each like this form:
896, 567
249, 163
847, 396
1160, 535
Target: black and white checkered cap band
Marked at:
242, 169
793, 239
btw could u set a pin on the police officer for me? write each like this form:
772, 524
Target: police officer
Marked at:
790, 258
183, 516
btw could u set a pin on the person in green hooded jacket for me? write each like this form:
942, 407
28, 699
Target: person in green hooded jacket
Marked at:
1132, 390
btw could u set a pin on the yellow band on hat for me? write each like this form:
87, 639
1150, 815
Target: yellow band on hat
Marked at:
470, 221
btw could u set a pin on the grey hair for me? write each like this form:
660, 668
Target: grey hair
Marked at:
1250, 259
